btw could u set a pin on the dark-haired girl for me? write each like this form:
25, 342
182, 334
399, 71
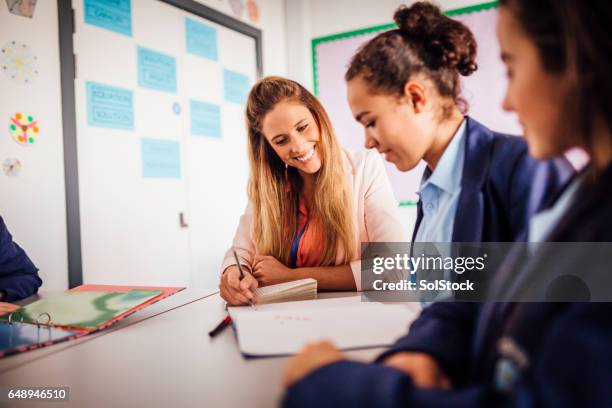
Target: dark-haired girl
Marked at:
519, 354
404, 88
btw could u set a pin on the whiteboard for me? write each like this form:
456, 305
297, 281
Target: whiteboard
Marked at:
161, 144
484, 90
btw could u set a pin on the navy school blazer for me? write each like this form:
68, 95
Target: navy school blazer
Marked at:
18, 275
565, 348
501, 187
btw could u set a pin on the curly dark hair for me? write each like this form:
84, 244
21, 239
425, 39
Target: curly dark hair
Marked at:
426, 42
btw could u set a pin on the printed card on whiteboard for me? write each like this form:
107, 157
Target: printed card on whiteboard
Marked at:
156, 70
236, 86
109, 106
113, 15
205, 119
161, 159
201, 39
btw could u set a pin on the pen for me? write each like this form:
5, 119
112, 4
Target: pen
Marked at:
224, 323
228, 320
241, 272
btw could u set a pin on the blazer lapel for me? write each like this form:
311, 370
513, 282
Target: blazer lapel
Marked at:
470, 208
418, 220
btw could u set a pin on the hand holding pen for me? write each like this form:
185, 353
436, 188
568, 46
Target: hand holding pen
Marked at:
237, 288
238, 285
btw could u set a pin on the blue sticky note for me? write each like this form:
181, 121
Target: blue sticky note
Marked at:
114, 15
109, 106
205, 119
161, 158
201, 39
156, 70
235, 86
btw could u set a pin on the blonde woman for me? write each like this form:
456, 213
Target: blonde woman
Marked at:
311, 203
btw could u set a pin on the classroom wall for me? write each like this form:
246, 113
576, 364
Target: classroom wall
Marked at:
271, 23
309, 19
33, 203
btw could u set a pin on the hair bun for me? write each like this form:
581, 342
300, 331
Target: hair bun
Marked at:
417, 21
441, 41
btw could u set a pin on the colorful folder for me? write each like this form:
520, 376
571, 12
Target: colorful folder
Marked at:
72, 314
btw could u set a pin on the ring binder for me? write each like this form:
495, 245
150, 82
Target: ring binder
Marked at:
48, 322
73, 314
10, 318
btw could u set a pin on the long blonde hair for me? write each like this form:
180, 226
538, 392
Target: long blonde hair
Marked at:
274, 188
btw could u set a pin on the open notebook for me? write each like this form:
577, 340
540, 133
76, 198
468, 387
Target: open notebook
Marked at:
302, 289
283, 328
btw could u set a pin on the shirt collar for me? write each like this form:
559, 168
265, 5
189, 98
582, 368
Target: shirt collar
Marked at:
302, 209
447, 174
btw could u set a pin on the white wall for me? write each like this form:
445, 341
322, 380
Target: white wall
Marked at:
271, 23
317, 18
33, 204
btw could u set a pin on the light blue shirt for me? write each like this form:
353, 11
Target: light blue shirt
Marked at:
542, 223
440, 192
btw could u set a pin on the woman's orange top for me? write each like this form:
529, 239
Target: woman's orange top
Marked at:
311, 243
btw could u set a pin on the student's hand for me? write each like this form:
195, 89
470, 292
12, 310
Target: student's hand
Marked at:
312, 357
422, 368
268, 270
6, 308
235, 291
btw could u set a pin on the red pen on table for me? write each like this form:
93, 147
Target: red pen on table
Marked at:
224, 323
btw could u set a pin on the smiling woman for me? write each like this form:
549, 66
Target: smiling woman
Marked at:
311, 203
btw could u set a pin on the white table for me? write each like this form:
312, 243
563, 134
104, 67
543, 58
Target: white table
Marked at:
167, 360
177, 300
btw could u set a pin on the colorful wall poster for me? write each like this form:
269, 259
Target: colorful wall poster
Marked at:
113, 15
201, 39
109, 106
11, 167
23, 8
161, 158
23, 129
156, 70
18, 62
205, 119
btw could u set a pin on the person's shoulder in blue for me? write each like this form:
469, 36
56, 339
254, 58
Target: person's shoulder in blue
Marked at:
514, 354
18, 274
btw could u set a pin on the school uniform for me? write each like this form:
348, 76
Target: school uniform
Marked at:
484, 188
499, 353
18, 275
